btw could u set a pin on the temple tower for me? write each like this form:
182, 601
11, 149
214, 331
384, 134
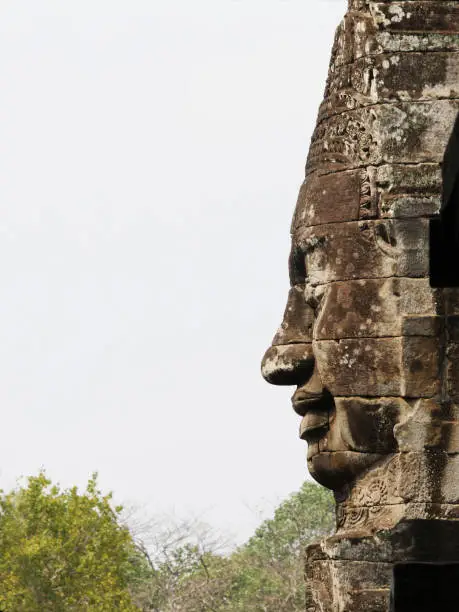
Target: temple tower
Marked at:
371, 346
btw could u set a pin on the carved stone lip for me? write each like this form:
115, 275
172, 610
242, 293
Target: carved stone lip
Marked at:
303, 401
313, 426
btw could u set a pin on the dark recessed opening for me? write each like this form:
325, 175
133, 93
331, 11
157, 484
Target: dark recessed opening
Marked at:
425, 587
443, 255
444, 231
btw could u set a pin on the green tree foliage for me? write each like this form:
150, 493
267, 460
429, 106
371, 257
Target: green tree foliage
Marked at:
269, 572
61, 550
193, 581
302, 518
64, 551
264, 575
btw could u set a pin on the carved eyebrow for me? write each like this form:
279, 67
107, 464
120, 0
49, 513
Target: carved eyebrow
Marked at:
297, 265
311, 243
306, 240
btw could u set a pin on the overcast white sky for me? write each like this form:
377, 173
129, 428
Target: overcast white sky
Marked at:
150, 157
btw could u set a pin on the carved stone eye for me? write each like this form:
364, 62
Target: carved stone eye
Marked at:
314, 296
297, 266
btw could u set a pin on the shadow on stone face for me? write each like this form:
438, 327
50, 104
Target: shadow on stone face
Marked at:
444, 231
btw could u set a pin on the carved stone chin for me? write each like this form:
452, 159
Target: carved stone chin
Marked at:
371, 347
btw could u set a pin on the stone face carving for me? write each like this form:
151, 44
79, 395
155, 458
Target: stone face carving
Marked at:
372, 349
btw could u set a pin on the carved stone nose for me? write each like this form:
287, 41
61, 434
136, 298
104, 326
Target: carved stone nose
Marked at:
288, 364
298, 320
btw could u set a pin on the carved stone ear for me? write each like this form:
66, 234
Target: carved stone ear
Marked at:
385, 237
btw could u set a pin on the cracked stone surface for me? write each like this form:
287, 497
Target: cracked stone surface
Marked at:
372, 349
